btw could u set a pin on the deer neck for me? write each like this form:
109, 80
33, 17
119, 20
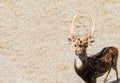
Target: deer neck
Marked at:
83, 58
80, 62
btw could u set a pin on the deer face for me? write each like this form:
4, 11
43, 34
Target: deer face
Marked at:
81, 46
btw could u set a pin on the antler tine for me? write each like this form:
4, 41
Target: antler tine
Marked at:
73, 27
89, 36
93, 26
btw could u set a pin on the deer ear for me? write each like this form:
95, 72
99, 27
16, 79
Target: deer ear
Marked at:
91, 42
70, 40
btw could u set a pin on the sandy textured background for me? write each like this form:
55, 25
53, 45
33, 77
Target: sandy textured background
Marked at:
33, 38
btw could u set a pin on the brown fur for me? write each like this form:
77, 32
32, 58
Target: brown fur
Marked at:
98, 65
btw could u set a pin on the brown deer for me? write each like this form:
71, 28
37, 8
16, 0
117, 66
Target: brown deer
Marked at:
89, 68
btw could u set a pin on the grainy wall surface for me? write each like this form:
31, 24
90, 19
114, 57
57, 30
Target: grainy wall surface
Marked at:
33, 38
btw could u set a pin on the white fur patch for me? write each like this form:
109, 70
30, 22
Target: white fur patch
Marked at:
78, 62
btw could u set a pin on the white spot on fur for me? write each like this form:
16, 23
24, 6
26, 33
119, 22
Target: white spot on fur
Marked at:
78, 62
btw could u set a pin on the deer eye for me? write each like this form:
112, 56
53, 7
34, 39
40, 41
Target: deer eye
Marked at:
86, 45
75, 45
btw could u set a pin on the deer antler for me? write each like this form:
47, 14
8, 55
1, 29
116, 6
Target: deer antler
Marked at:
75, 36
89, 36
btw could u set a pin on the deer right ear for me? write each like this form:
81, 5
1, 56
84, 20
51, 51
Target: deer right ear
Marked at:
91, 42
70, 40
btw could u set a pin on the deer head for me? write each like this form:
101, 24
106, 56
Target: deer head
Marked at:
80, 44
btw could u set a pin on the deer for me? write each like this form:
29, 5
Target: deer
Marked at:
89, 68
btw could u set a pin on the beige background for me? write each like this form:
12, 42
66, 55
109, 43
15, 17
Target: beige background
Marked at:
33, 38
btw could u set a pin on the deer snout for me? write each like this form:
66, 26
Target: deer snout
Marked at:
78, 51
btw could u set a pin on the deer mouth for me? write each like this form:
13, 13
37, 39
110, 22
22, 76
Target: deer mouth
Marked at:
80, 54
